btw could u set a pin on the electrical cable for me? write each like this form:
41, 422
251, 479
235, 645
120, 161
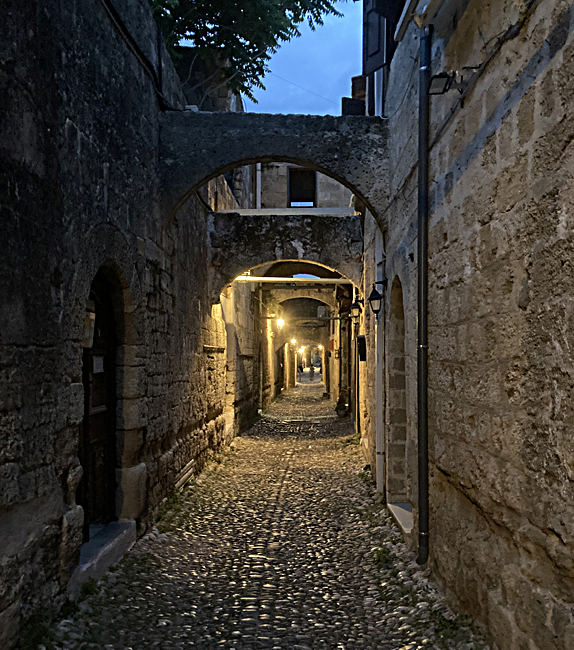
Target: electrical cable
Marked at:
305, 89
146, 64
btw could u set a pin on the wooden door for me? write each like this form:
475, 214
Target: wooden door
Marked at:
97, 439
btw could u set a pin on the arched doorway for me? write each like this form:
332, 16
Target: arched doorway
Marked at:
97, 449
397, 411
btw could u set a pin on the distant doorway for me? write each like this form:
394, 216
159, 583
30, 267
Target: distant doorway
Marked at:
97, 453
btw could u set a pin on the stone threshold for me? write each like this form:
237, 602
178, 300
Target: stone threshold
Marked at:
403, 514
107, 546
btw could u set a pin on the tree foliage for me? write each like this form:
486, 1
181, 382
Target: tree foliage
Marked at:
239, 36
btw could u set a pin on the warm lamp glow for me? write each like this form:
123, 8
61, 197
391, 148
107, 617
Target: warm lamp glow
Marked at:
280, 322
294, 341
320, 347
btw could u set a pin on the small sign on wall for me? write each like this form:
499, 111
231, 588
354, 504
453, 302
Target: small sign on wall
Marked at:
98, 365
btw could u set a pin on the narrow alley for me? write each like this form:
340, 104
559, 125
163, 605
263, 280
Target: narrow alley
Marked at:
176, 264
280, 543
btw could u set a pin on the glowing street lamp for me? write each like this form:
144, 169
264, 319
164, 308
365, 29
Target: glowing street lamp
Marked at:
293, 341
280, 323
320, 347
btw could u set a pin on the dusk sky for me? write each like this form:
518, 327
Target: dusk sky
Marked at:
310, 74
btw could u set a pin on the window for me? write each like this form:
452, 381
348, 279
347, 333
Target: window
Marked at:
302, 188
379, 21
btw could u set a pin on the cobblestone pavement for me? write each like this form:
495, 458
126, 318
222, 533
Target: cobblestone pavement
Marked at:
281, 544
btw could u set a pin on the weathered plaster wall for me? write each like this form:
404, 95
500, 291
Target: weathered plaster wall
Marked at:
501, 292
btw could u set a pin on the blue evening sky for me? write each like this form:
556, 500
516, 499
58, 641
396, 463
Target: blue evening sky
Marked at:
311, 73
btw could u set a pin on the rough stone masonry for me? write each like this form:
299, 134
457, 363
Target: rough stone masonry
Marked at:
98, 169
85, 91
500, 312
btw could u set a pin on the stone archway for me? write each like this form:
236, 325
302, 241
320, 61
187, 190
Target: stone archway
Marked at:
334, 242
324, 295
195, 147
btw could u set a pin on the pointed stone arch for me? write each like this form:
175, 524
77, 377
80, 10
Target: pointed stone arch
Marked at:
196, 147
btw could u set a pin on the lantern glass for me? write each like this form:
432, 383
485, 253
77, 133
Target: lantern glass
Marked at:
375, 300
356, 309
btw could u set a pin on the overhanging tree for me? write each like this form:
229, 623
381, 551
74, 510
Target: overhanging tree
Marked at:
239, 36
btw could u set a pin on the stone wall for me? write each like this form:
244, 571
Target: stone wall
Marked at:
501, 305
79, 149
371, 403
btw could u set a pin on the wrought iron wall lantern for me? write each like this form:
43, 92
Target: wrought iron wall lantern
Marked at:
356, 308
375, 298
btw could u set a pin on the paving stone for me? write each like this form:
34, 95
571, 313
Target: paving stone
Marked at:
340, 576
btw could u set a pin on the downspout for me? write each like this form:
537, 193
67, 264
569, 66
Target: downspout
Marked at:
258, 186
422, 291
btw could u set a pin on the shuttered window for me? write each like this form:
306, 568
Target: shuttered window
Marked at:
379, 21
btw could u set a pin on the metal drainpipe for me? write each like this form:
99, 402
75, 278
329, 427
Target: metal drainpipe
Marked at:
258, 186
422, 350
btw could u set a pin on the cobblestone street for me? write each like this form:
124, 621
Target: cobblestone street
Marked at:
280, 543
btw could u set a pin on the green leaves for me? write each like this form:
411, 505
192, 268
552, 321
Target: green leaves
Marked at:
238, 36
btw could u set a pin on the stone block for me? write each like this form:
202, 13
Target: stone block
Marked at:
128, 414
130, 355
130, 381
131, 491
71, 541
129, 446
9, 625
525, 116
102, 551
397, 381
398, 433
9, 484
568, 640
397, 416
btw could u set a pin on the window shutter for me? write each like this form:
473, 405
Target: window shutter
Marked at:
390, 9
373, 38
379, 22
